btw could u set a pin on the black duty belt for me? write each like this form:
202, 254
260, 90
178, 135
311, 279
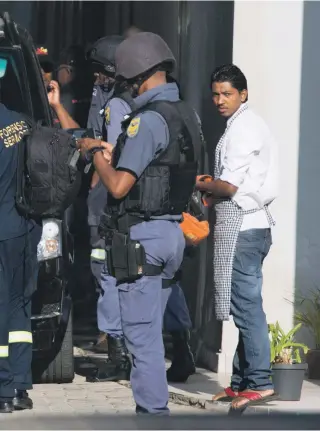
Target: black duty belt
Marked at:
169, 282
126, 221
121, 224
126, 258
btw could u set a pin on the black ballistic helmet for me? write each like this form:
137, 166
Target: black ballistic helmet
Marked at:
102, 52
141, 53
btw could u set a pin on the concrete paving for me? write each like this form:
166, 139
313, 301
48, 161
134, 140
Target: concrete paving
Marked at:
201, 386
82, 405
198, 391
76, 404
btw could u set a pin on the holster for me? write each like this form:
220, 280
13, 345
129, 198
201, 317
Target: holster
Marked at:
126, 259
107, 226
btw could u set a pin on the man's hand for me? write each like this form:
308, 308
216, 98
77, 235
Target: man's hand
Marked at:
108, 150
86, 144
217, 188
201, 186
54, 94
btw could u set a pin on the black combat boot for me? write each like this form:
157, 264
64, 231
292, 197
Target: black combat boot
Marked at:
118, 365
183, 365
22, 401
6, 406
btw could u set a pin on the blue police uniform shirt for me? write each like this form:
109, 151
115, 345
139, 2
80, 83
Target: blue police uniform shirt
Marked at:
12, 130
118, 109
97, 197
149, 134
99, 100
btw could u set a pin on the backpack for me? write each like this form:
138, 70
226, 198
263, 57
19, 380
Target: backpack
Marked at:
47, 183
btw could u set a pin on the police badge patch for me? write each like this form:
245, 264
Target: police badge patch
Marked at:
107, 115
133, 128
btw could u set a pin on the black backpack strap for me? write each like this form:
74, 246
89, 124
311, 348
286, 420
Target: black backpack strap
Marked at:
20, 171
30, 121
21, 164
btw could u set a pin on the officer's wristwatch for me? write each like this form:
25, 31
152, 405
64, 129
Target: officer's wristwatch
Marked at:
90, 153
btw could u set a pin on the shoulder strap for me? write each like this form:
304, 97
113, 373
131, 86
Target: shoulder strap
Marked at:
30, 121
152, 106
126, 97
22, 161
188, 116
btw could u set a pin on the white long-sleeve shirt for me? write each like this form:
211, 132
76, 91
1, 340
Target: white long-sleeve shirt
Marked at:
249, 161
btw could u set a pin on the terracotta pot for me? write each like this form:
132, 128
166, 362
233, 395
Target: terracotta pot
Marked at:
313, 361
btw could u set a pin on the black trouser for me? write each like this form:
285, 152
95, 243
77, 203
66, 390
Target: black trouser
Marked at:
18, 278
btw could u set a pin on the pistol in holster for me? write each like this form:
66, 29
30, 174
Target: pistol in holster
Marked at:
126, 258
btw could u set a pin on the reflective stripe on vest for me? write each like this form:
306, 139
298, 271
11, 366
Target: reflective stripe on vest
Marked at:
98, 253
20, 337
4, 351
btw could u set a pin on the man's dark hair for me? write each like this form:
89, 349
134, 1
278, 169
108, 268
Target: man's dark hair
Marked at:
230, 73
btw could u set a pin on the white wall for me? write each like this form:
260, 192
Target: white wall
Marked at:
267, 48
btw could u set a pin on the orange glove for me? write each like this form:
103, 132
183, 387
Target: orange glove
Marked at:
194, 230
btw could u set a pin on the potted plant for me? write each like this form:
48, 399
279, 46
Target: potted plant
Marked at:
287, 368
310, 318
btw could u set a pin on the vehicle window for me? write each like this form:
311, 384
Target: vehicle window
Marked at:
11, 87
36, 86
3, 66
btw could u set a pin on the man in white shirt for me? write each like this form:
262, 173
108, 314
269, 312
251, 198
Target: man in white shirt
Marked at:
244, 185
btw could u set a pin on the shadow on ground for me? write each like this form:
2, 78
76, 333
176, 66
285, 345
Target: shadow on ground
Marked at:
203, 421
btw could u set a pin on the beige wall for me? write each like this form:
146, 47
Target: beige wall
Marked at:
267, 47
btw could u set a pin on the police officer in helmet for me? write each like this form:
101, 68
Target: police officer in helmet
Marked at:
176, 318
150, 181
101, 56
120, 103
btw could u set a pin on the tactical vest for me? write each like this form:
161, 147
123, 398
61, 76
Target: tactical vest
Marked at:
166, 185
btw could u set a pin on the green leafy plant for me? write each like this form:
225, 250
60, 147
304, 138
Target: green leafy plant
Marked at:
310, 314
284, 349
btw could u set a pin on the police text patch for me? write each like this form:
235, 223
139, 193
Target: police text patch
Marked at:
133, 128
107, 114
